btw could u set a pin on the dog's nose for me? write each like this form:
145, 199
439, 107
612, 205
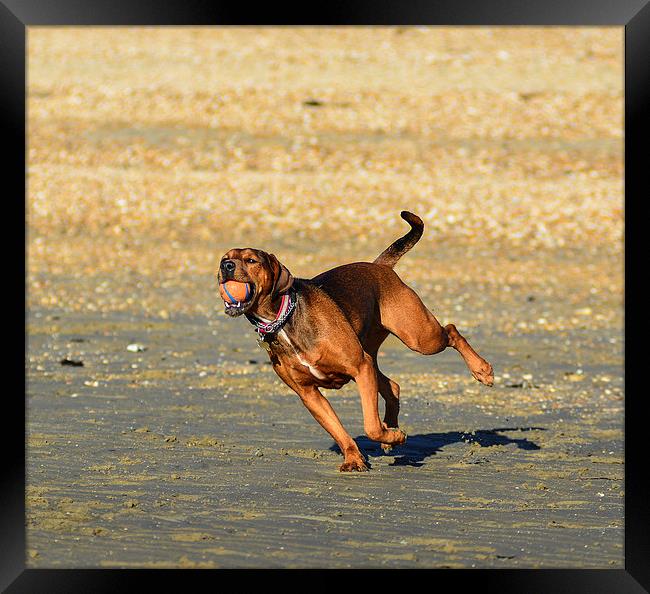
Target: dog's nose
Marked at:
228, 266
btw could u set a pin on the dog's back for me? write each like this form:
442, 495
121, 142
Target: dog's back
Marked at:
358, 289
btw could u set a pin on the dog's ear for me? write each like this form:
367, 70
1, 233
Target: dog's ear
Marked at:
282, 278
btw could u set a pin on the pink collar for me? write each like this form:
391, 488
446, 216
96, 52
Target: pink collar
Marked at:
287, 306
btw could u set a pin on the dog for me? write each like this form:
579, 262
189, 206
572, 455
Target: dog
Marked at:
325, 331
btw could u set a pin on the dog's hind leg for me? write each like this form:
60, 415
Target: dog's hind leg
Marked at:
404, 315
389, 391
366, 378
479, 367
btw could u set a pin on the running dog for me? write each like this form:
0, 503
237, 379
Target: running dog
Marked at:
325, 331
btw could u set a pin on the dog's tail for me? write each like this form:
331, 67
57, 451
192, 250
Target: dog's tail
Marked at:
397, 249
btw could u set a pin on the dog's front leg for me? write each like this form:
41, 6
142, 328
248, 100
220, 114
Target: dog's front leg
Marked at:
366, 379
322, 411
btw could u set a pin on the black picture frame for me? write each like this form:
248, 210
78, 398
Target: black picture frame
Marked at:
634, 15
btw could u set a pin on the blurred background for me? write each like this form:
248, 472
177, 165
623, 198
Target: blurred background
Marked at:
154, 150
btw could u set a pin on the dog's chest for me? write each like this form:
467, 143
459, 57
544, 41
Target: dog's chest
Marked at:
313, 369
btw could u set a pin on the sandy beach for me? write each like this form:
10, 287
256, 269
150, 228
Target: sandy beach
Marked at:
151, 151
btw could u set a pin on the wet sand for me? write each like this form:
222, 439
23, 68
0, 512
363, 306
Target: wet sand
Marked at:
146, 165
193, 453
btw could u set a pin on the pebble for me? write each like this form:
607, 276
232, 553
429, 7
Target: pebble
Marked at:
136, 347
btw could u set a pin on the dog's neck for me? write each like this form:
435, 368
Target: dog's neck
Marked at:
272, 324
268, 311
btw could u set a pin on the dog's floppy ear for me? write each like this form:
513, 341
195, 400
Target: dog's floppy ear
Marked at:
282, 278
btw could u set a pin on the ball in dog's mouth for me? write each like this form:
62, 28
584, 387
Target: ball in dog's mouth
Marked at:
237, 296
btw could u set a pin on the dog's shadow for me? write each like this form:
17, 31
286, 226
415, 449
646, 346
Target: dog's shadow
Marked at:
419, 447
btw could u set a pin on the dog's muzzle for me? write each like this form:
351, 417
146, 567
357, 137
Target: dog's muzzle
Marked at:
227, 270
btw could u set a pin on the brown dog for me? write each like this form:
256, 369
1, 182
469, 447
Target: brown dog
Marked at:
324, 332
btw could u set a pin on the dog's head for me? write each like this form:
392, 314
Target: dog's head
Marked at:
267, 279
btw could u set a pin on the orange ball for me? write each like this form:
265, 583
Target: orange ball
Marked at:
233, 291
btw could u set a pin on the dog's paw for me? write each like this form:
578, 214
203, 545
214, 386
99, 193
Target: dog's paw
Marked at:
484, 373
397, 437
354, 465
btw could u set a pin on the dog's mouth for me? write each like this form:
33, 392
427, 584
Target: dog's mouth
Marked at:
239, 307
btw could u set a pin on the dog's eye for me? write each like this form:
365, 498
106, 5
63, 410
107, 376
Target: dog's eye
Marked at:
251, 261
